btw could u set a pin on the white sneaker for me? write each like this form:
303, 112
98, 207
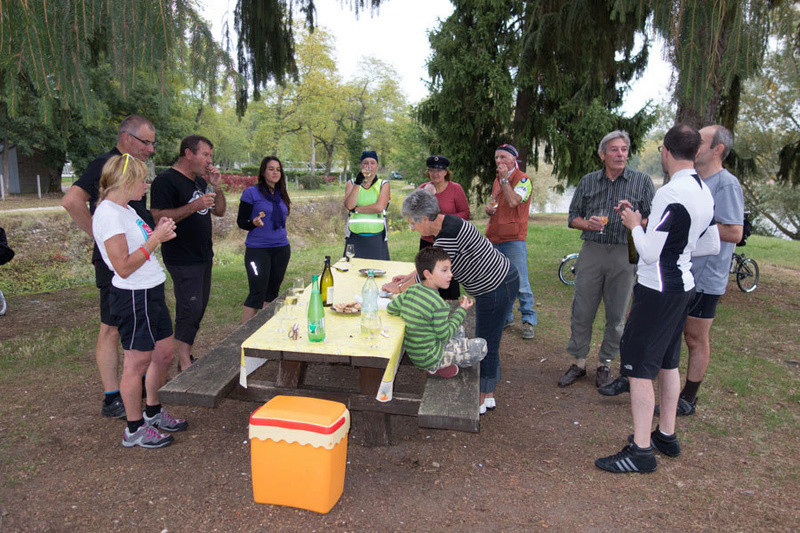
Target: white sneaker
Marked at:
490, 403
482, 408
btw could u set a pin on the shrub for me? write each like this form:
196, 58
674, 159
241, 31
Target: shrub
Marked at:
236, 182
249, 170
308, 182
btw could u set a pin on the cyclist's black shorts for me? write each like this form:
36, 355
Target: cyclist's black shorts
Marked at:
704, 305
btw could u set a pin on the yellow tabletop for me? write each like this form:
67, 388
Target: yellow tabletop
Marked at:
343, 332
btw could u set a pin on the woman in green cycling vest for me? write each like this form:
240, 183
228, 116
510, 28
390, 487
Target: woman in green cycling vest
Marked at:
366, 198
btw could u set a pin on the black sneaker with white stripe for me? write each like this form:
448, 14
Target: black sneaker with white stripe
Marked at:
630, 459
666, 444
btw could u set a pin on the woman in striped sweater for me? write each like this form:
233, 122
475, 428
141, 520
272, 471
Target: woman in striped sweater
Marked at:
484, 272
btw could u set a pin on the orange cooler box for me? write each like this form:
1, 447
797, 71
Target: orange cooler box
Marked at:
298, 451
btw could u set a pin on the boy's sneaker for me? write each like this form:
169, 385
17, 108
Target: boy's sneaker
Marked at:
147, 437
166, 421
630, 459
115, 409
447, 372
2, 304
668, 445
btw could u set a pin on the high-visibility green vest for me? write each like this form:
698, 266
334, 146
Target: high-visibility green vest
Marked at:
364, 223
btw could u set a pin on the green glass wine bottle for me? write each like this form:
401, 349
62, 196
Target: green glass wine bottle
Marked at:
316, 313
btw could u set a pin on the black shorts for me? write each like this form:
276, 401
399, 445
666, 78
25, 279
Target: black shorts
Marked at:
102, 277
704, 305
141, 316
652, 337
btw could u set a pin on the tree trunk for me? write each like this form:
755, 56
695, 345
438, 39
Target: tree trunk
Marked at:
313, 154
329, 159
705, 106
6, 173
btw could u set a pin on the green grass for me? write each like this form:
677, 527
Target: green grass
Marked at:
61, 348
771, 250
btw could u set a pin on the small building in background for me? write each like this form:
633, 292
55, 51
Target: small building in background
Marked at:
22, 171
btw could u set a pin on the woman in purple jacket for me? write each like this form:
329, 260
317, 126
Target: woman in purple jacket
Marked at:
263, 209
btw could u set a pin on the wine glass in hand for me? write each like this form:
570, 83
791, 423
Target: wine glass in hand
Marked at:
602, 219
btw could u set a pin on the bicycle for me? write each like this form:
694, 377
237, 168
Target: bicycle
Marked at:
566, 270
746, 271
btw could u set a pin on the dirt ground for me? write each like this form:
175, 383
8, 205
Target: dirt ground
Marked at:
530, 467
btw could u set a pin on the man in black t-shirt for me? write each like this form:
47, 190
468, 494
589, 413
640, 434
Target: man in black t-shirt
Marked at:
136, 136
185, 193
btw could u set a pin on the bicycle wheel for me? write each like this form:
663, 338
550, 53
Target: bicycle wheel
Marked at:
566, 270
747, 275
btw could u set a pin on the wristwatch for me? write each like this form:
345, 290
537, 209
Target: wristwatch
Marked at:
504, 180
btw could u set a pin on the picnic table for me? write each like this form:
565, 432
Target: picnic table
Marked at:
447, 404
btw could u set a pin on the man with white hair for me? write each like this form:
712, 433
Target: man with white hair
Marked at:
603, 270
650, 347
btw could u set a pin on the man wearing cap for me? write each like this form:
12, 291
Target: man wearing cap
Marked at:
366, 198
604, 272
452, 201
135, 136
507, 229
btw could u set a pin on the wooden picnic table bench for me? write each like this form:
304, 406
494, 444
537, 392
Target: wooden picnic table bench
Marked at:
444, 404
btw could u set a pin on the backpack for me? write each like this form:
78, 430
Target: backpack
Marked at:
747, 229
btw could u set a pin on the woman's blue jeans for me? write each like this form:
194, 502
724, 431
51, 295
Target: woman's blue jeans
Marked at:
490, 312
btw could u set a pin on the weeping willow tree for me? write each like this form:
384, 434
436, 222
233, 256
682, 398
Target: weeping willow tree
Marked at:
714, 46
69, 67
47, 46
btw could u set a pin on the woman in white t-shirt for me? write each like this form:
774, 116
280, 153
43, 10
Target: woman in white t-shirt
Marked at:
138, 307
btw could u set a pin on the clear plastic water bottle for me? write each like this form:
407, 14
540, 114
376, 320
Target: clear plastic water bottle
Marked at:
369, 302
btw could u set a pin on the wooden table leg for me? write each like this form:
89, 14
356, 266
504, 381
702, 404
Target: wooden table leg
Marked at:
377, 429
291, 373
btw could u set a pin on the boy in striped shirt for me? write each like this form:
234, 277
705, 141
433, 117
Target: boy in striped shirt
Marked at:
434, 338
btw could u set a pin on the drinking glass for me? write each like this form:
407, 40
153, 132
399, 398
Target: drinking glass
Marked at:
292, 300
281, 314
298, 285
492, 202
350, 251
374, 327
603, 216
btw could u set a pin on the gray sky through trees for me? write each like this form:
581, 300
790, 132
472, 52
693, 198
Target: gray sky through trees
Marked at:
397, 35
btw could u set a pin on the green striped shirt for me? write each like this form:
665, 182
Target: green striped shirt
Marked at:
429, 324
